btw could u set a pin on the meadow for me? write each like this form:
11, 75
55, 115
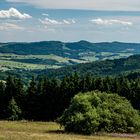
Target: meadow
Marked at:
24, 130
10, 61
33, 62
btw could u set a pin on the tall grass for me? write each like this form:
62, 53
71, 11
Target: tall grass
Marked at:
25, 130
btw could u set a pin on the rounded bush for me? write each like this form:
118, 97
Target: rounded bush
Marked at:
95, 112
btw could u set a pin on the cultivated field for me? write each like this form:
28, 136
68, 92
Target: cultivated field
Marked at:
48, 131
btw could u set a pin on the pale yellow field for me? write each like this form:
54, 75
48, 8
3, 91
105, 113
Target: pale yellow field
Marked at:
46, 131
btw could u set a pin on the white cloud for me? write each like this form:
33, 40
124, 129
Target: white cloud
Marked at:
70, 21
125, 5
73, 21
13, 13
100, 21
48, 21
66, 21
10, 26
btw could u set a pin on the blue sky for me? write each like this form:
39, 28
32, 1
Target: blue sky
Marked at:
92, 20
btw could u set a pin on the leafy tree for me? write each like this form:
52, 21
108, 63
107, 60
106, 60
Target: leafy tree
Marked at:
95, 111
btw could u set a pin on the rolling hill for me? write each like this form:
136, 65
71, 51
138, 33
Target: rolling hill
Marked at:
56, 54
56, 58
100, 68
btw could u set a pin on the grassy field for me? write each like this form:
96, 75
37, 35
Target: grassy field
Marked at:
47, 131
12, 61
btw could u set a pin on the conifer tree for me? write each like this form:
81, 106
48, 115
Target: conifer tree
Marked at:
2, 100
32, 100
10, 88
14, 112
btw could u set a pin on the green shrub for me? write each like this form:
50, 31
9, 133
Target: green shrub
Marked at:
95, 112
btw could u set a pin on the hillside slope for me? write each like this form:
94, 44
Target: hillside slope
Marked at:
56, 54
100, 68
51, 58
129, 66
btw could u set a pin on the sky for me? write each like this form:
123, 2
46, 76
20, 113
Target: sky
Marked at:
69, 21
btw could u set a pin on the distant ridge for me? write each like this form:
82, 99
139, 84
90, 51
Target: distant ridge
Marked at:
44, 56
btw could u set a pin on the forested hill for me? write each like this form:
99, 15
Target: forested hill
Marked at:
101, 68
68, 49
27, 59
129, 66
55, 54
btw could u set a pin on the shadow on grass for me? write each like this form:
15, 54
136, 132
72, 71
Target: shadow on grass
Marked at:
56, 131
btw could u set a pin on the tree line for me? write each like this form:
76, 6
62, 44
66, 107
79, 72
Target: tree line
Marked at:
47, 98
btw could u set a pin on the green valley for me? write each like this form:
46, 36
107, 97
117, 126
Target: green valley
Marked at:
43, 57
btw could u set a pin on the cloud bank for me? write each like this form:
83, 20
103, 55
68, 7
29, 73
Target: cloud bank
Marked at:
124, 5
13, 13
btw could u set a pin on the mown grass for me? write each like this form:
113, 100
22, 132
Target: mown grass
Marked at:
24, 130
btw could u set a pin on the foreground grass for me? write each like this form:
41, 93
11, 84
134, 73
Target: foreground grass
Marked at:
47, 131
